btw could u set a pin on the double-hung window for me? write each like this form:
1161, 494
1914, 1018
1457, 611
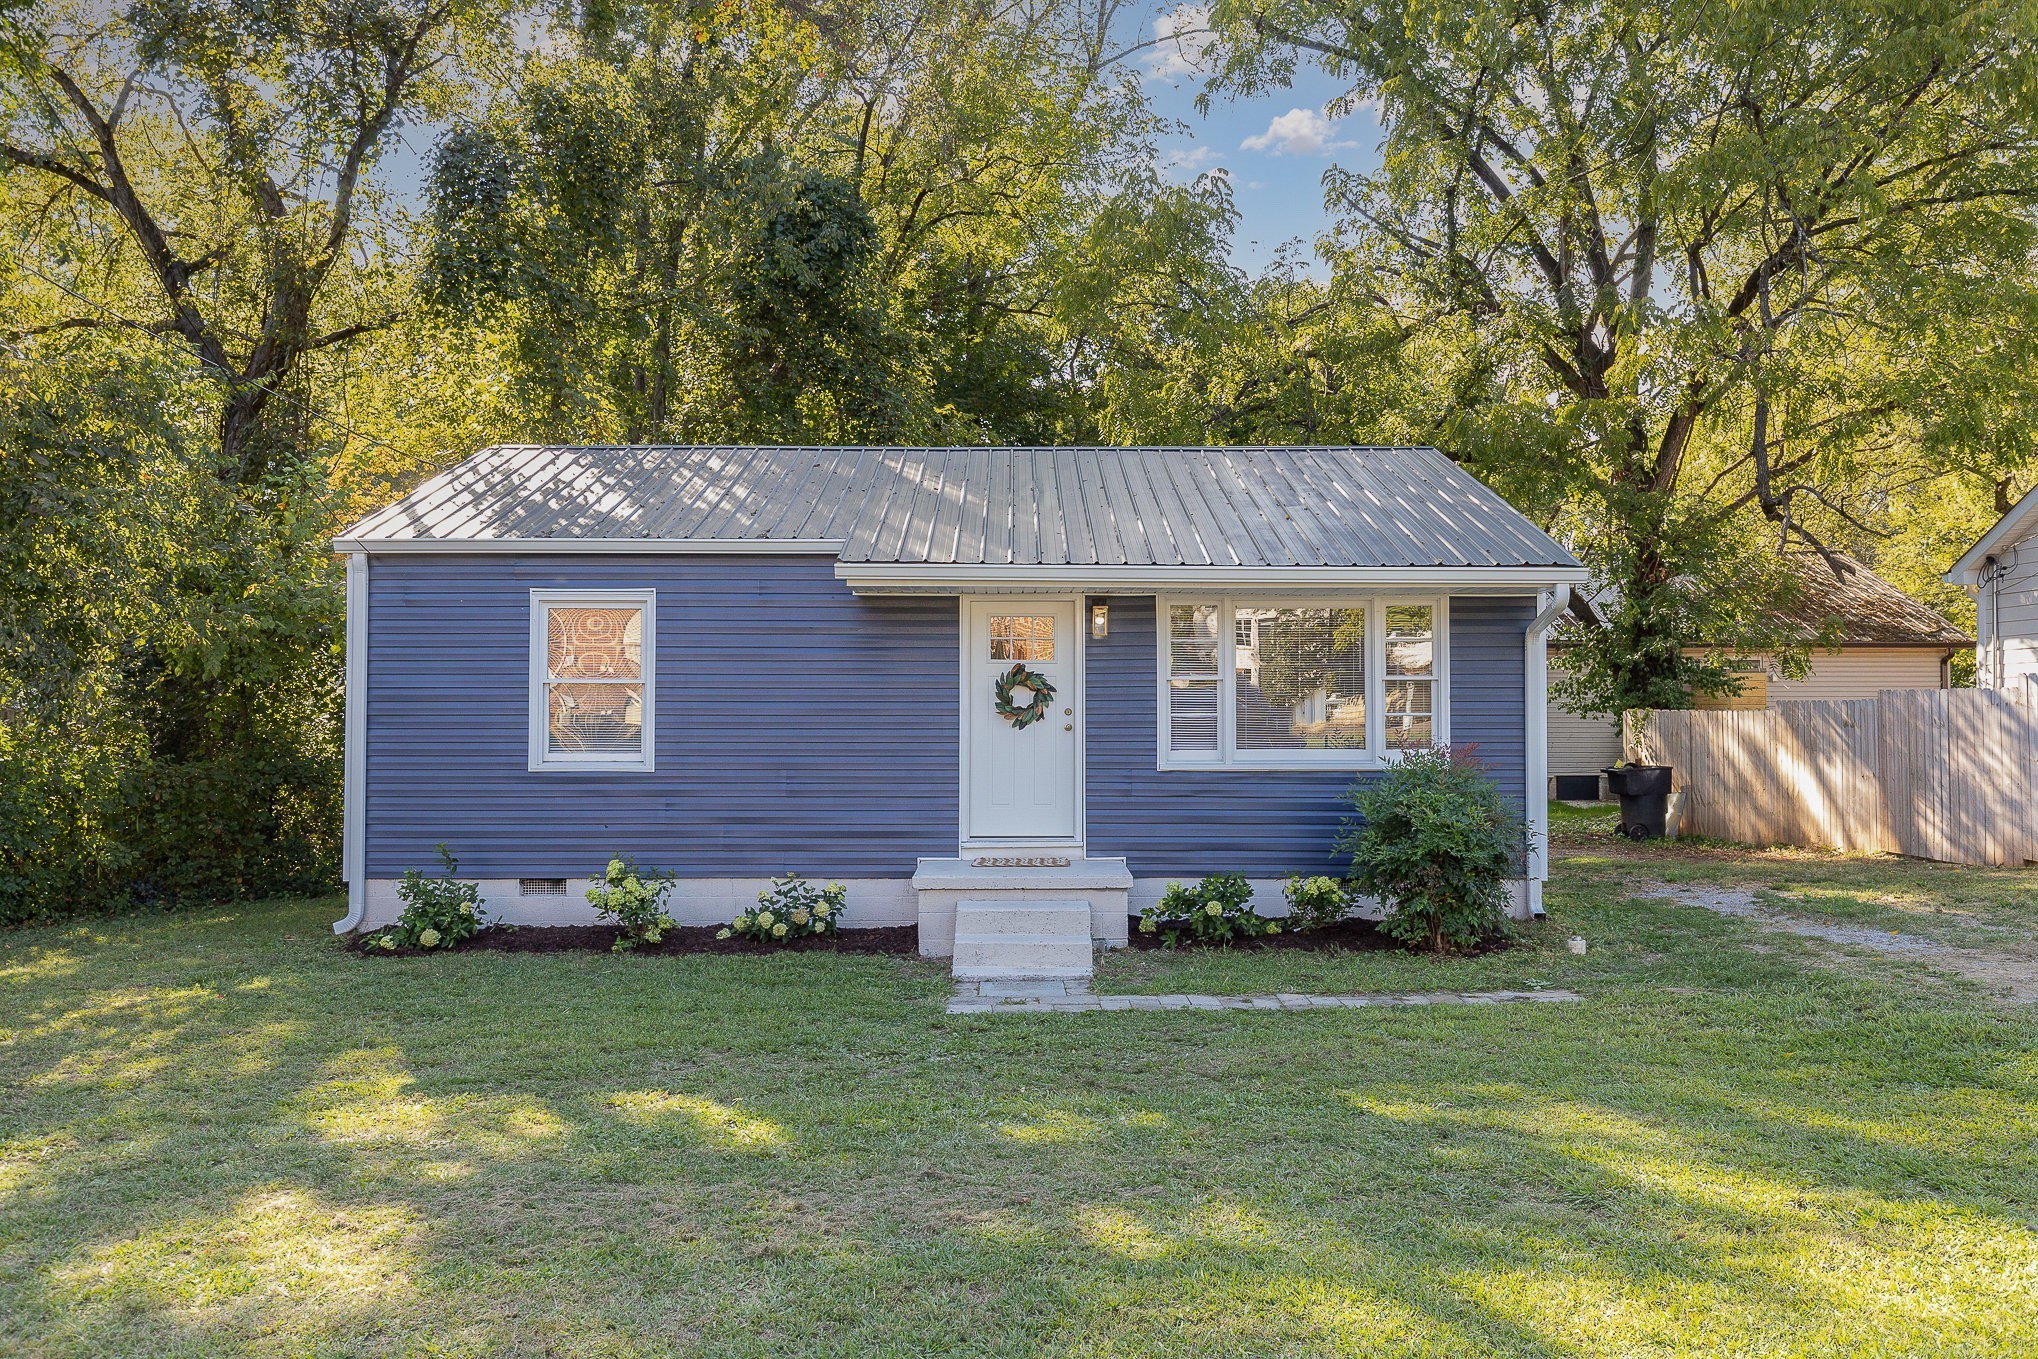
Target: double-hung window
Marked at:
1275, 684
593, 676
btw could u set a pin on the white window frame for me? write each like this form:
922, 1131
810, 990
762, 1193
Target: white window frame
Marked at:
541, 758
1227, 756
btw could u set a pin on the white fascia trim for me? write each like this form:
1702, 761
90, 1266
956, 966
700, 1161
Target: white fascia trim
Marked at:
2022, 515
1535, 700
354, 781
801, 547
942, 578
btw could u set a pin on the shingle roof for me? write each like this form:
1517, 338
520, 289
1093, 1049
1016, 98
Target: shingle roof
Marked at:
1867, 609
1328, 507
1863, 609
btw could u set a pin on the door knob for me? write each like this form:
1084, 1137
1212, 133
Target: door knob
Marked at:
1068, 726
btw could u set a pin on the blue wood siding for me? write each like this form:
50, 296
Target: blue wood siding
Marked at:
1188, 823
799, 727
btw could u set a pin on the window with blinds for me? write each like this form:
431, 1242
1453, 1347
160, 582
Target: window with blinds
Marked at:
591, 680
1345, 682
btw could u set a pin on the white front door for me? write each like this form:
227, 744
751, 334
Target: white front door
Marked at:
1022, 781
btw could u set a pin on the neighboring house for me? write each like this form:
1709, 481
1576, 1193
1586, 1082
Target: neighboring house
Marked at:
2001, 572
731, 663
1880, 638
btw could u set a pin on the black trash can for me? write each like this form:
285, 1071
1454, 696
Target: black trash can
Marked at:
1644, 793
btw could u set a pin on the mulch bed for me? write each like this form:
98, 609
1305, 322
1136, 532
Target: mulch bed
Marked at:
1353, 936
684, 939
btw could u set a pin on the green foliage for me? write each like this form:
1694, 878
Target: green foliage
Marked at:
1692, 282
1216, 910
1314, 903
437, 912
1436, 843
791, 909
634, 898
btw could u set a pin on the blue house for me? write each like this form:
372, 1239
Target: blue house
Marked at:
936, 675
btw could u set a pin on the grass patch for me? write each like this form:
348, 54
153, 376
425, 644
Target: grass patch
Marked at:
224, 1135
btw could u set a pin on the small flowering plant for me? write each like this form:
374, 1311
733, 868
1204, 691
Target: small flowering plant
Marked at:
1315, 903
1216, 910
634, 898
793, 909
437, 912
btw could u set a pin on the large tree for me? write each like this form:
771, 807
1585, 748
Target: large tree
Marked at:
223, 150
193, 238
791, 221
1686, 269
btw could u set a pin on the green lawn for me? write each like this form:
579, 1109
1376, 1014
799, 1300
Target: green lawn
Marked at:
219, 1134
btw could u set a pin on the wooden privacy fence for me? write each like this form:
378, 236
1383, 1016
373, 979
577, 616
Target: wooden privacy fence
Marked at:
1947, 774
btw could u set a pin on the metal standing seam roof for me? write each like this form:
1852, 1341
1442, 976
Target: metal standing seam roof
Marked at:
1220, 507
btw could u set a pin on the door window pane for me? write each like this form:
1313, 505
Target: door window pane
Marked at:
1022, 639
1302, 686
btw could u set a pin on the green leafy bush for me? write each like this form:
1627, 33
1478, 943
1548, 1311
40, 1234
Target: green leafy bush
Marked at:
1315, 902
1437, 844
1216, 910
437, 912
635, 899
793, 909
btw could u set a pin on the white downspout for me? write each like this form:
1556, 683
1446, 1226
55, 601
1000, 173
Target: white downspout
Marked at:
1536, 742
354, 788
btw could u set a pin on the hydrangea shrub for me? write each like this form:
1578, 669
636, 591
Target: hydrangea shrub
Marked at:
634, 898
1216, 910
792, 909
1315, 902
437, 912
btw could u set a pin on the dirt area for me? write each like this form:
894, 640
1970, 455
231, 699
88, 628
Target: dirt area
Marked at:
2014, 975
684, 939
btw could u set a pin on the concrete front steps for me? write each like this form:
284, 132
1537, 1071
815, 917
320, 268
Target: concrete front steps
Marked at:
1014, 940
1103, 886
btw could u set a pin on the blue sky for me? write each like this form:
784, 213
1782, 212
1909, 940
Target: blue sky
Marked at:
1275, 147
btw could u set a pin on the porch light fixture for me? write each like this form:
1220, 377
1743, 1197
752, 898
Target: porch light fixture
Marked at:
1100, 620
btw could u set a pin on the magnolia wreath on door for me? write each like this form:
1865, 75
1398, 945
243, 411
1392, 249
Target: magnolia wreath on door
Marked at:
1018, 683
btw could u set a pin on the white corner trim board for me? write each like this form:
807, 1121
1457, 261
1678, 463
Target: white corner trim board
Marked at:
354, 737
1536, 741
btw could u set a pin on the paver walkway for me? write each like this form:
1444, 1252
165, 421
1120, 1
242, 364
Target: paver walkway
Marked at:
1065, 998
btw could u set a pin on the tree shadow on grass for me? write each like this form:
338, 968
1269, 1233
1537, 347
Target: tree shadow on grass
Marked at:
217, 1147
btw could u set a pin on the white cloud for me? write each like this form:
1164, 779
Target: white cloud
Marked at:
1184, 39
1185, 162
1298, 132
